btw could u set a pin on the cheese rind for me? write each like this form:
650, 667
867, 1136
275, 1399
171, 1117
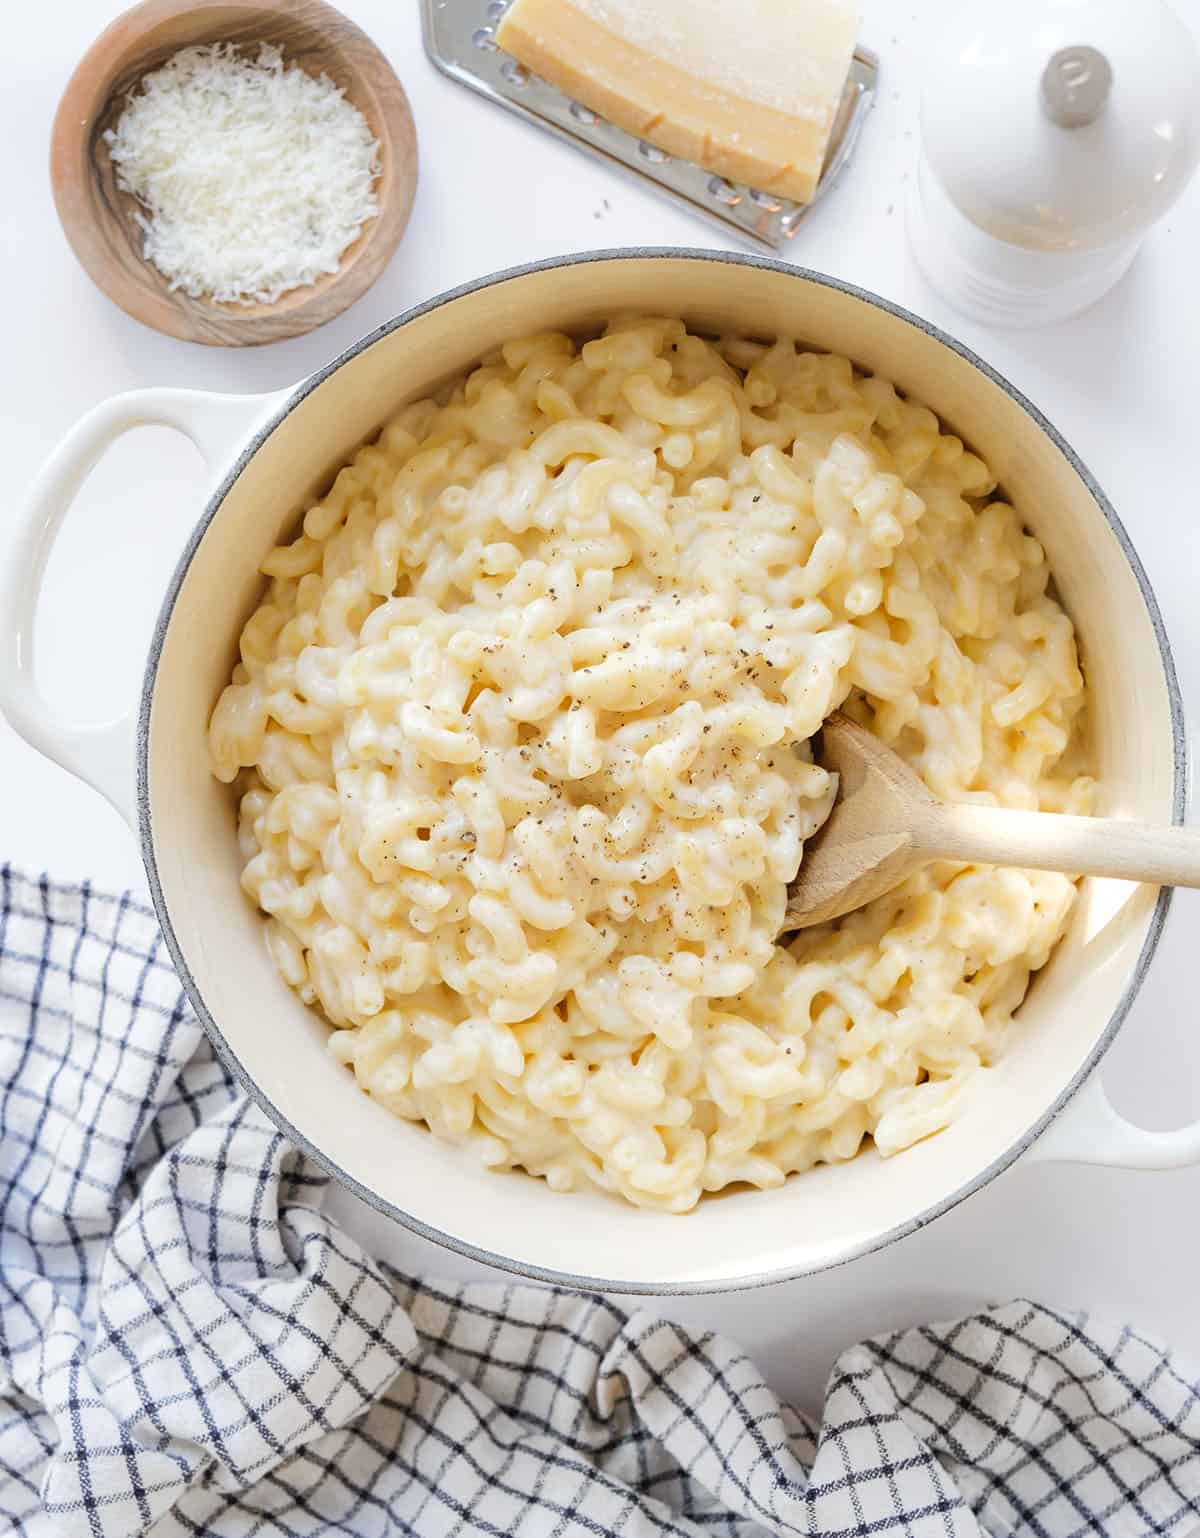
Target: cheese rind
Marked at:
759, 114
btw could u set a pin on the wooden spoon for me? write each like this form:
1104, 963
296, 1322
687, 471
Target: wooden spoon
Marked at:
886, 824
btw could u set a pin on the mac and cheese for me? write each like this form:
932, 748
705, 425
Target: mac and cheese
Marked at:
521, 736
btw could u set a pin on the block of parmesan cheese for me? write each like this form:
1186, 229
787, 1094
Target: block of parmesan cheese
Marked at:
748, 90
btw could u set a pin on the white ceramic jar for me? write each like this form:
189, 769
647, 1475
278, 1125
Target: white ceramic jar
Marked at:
1054, 133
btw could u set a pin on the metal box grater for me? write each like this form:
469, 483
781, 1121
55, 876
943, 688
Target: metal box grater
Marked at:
460, 39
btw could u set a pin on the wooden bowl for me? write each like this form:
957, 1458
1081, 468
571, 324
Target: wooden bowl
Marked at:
99, 218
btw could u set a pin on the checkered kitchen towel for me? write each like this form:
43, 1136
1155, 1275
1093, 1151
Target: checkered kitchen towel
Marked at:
188, 1346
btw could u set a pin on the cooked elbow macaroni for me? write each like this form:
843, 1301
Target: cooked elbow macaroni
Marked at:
521, 734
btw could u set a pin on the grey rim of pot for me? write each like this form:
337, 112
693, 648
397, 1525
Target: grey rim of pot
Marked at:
450, 1241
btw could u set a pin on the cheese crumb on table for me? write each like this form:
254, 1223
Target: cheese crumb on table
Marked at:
254, 177
749, 92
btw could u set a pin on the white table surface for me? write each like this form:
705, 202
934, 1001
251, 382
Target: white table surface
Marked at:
1121, 381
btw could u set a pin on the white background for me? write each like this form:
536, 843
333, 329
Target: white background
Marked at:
1122, 382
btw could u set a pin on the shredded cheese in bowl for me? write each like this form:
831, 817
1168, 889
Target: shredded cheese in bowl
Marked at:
254, 176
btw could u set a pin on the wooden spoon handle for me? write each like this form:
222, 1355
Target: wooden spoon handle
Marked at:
1080, 846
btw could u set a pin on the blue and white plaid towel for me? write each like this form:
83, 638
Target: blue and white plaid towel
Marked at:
188, 1346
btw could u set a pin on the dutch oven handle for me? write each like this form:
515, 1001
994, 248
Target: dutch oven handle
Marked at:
102, 754
1090, 1130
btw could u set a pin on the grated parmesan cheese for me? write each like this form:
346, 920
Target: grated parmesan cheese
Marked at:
254, 178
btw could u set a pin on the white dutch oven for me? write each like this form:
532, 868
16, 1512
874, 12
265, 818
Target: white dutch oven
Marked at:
270, 454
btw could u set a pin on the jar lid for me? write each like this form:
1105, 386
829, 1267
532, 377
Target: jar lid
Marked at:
1062, 124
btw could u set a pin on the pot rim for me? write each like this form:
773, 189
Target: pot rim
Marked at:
546, 1274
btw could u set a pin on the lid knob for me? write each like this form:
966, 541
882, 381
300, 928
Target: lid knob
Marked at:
1076, 85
